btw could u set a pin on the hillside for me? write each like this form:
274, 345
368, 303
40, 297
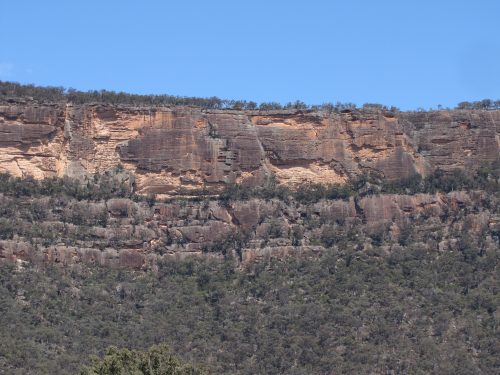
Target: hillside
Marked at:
251, 241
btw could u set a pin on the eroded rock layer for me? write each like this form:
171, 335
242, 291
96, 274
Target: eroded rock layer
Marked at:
175, 149
121, 233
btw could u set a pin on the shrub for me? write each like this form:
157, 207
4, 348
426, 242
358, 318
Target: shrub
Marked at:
275, 229
7, 228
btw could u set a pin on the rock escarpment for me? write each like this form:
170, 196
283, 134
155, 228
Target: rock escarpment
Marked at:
121, 233
171, 150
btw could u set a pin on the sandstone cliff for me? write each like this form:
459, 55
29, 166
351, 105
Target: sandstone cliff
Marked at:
175, 149
121, 233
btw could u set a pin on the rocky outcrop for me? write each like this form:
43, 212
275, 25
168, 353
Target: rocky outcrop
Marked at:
171, 150
121, 233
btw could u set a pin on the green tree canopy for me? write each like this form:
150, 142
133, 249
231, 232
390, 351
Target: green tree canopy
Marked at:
157, 360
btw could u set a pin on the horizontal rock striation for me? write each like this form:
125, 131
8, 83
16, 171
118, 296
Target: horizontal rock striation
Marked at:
171, 150
121, 233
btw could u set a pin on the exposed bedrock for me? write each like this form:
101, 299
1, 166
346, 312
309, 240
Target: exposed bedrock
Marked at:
133, 235
175, 149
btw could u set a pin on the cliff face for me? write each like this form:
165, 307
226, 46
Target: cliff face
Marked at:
171, 150
121, 233
175, 149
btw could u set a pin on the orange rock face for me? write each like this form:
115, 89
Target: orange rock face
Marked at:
175, 149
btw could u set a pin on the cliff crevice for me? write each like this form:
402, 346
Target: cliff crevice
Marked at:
176, 149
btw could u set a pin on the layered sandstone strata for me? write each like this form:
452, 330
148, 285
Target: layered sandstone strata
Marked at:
135, 235
175, 149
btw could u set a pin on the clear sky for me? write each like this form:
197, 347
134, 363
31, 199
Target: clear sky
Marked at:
409, 54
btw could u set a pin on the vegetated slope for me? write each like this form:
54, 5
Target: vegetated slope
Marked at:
410, 310
375, 280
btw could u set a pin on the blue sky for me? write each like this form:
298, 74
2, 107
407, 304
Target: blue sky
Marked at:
409, 54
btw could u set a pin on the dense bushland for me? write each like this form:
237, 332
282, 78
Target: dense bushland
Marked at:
408, 311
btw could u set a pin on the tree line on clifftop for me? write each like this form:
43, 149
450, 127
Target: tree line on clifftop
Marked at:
57, 93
